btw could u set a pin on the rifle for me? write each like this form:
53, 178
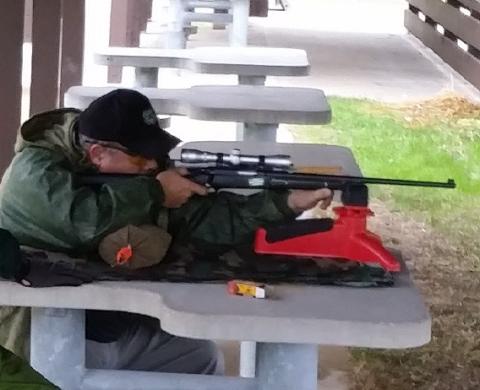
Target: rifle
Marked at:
235, 170
345, 237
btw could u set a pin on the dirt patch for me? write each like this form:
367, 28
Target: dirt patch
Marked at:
442, 272
445, 108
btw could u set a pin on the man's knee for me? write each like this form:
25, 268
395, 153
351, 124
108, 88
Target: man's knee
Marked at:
192, 356
149, 348
211, 356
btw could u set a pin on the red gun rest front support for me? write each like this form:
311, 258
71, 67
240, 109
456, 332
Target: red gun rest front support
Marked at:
345, 237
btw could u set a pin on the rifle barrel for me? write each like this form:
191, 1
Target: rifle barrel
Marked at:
450, 183
229, 178
225, 178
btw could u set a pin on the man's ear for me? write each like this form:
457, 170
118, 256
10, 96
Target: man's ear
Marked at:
96, 154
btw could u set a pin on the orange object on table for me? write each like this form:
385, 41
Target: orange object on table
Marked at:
246, 288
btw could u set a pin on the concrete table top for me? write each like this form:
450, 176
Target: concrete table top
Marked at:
244, 61
234, 103
390, 317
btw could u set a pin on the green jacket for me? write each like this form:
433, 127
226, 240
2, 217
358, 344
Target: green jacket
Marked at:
16, 374
43, 207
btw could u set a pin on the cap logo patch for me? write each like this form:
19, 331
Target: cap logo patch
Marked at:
149, 117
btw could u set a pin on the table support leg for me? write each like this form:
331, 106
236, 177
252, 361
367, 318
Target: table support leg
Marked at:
58, 353
286, 366
146, 77
247, 359
258, 132
251, 80
58, 345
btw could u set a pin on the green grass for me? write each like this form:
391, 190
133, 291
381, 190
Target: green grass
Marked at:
423, 142
386, 144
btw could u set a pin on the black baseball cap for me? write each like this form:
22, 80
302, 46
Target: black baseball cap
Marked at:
127, 117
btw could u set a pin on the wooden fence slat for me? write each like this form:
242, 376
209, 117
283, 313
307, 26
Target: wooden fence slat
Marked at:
45, 55
463, 62
11, 39
73, 32
474, 5
127, 19
463, 26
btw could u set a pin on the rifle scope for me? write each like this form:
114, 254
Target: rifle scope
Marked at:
194, 156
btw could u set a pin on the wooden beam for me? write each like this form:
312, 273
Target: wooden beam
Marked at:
45, 55
473, 5
259, 8
463, 26
11, 42
27, 27
127, 19
460, 60
73, 33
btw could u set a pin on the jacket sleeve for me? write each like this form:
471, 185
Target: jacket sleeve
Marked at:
227, 219
43, 208
16, 373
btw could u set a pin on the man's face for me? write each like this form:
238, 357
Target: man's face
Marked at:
111, 159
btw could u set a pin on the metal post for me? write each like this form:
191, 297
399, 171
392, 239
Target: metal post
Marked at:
247, 359
57, 348
11, 40
239, 27
286, 366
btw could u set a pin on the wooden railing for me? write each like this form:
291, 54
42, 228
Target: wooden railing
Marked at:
451, 28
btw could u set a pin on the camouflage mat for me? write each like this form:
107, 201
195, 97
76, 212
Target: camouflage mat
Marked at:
185, 264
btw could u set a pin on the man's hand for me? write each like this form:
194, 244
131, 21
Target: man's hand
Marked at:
301, 200
176, 188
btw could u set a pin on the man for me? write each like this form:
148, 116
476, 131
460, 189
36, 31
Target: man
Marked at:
44, 207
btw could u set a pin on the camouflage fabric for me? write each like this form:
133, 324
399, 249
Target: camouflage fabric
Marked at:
184, 263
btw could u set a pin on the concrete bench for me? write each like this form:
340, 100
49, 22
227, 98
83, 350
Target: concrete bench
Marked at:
251, 64
260, 108
287, 329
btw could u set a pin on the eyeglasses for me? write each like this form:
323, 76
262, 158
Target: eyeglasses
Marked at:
110, 145
137, 159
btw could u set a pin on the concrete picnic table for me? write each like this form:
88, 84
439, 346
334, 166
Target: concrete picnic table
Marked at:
287, 327
251, 64
261, 108
238, 29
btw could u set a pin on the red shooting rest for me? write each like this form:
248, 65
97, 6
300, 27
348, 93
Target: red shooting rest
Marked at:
347, 239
